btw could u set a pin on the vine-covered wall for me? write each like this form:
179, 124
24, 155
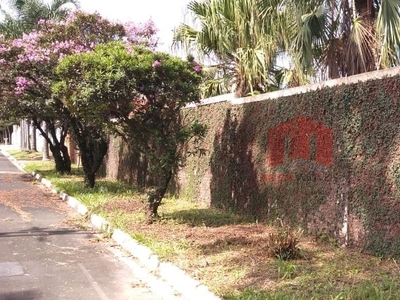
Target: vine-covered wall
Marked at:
327, 159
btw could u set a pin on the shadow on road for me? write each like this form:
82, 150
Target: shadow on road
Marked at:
23, 295
43, 231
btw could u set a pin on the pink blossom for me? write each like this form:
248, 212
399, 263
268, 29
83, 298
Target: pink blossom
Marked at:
42, 49
4, 48
156, 64
197, 69
71, 16
22, 84
142, 34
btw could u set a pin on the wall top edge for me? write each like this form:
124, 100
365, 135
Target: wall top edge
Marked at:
211, 100
391, 72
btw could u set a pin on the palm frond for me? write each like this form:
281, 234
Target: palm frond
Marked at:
388, 33
360, 55
23, 15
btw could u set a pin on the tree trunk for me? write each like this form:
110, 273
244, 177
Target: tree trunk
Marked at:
55, 137
92, 154
24, 135
14, 138
7, 136
142, 171
92, 148
90, 179
365, 8
155, 197
66, 158
33, 145
61, 158
45, 149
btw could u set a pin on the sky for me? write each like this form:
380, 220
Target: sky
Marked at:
165, 14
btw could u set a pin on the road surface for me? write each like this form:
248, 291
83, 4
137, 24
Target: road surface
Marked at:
45, 255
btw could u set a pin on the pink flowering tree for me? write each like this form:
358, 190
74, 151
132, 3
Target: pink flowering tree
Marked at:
138, 94
28, 67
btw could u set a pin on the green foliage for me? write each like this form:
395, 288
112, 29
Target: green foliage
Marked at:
94, 85
138, 94
164, 250
47, 166
316, 39
326, 238
94, 78
383, 290
206, 217
23, 16
245, 49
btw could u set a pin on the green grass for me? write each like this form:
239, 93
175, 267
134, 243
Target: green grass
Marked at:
46, 168
202, 217
162, 249
387, 289
251, 294
26, 155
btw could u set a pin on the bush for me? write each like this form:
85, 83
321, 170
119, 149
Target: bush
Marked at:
283, 244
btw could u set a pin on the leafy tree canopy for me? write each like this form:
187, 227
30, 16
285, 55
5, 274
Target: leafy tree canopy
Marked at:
138, 94
28, 68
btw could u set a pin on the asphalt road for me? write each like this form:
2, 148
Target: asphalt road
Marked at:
45, 255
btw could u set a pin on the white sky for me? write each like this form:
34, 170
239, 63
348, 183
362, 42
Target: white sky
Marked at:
166, 14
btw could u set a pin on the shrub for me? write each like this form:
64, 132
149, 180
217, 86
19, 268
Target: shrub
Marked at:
283, 244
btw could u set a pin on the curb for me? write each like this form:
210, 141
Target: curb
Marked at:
14, 161
173, 277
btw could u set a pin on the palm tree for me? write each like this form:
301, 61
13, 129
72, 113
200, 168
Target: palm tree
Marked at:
316, 39
22, 16
342, 37
236, 36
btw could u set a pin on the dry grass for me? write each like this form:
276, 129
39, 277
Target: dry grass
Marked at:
231, 256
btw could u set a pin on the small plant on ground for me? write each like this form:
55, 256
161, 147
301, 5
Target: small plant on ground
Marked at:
283, 244
325, 237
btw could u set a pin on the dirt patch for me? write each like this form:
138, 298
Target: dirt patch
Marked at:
235, 257
127, 206
21, 191
217, 253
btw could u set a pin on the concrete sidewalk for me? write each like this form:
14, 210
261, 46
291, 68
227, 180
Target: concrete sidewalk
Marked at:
162, 277
8, 147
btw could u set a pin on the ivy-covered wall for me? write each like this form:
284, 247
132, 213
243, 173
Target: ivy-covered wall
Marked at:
327, 159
